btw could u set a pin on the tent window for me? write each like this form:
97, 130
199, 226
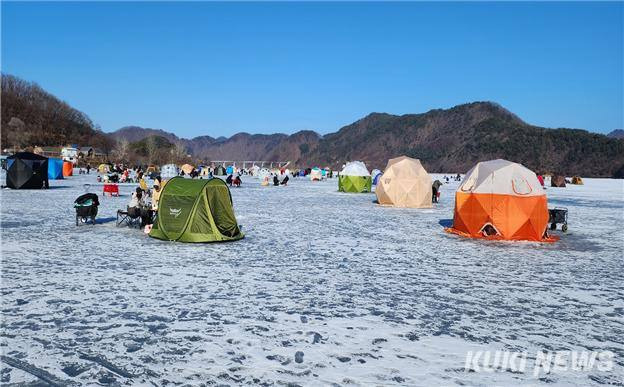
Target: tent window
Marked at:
469, 184
520, 185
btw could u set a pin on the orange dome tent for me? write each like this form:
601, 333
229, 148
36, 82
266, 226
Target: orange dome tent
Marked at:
68, 168
501, 200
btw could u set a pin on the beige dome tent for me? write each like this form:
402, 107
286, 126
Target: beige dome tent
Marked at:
404, 183
187, 168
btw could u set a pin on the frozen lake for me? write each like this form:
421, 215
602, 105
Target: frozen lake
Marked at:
325, 288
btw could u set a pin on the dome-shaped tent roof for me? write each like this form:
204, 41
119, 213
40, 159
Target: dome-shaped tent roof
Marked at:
316, 174
405, 183
355, 168
187, 168
504, 198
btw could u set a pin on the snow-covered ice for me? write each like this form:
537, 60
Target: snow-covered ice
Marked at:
325, 288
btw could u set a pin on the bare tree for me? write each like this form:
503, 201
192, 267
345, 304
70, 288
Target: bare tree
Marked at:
152, 148
17, 136
178, 152
122, 147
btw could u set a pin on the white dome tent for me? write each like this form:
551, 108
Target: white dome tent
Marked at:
169, 171
316, 174
355, 178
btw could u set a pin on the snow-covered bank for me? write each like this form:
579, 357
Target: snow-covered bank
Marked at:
326, 287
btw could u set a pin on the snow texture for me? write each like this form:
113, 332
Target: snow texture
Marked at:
327, 287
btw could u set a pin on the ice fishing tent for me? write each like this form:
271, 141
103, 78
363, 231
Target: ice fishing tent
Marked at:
220, 171
577, 180
187, 168
68, 168
375, 175
557, 181
316, 174
196, 211
229, 170
405, 183
55, 169
501, 200
355, 178
103, 168
27, 170
205, 171
254, 170
169, 171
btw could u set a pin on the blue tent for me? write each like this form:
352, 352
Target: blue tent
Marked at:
55, 169
376, 175
229, 170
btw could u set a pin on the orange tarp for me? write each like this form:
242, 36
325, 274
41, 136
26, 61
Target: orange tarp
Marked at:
68, 168
515, 218
499, 199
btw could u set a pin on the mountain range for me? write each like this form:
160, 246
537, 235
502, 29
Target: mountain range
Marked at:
445, 140
617, 133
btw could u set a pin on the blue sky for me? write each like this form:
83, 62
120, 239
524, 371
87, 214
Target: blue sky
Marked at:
220, 68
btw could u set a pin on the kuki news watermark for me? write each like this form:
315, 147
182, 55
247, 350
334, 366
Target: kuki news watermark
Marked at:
540, 362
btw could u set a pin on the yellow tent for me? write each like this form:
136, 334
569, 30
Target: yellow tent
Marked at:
103, 168
577, 180
404, 183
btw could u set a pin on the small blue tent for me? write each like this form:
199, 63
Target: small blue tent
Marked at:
229, 170
55, 169
376, 174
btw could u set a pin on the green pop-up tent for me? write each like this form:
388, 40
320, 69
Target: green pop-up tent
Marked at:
354, 177
193, 210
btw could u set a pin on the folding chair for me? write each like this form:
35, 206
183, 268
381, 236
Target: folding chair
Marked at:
131, 220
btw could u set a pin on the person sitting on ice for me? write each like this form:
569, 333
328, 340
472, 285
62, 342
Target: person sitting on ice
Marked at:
237, 181
138, 208
136, 202
488, 231
275, 180
228, 180
285, 181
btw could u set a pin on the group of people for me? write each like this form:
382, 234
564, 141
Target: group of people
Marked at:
144, 203
234, 181
448, 178
119, 173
